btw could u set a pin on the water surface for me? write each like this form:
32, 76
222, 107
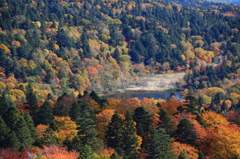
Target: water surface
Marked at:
149, 94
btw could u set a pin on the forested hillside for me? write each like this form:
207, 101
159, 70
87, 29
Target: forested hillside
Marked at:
57, 55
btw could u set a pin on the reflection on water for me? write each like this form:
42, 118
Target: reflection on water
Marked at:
149, 94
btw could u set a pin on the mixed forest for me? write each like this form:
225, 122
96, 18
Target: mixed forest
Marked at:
58, 56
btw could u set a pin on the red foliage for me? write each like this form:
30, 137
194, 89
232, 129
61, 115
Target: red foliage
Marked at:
58, 153
92, 71
10, 154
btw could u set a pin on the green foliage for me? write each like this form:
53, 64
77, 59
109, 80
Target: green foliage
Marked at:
185, 132
158, 144
130, 140
142, 119
166, 122
182, 155
44, 114
114, 133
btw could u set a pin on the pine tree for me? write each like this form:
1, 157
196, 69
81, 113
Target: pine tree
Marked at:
4, 131
44, 115
114, 134
166, 122
116, 54
75, 111
22, 133
88, 132
12, 141
61, 110
114, 156
86, 152
158, 145
32, 99
129, 138
224, 107
182, 155
31, 126
142, 119
185, 132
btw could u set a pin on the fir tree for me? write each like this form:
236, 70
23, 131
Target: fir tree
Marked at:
86, 152
75, 111
186, 133
12, 141
31, 99
61, 110
88, 132
4, 131
166, 122
114, 134
224, 107
142, 119
31, 126
130, 140
158, 145
182, 155
22, 133
114, 156
44, 115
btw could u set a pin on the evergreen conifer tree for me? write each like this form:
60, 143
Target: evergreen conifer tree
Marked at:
44, 115
185, 132
88, 132
182, 155
31, 99
4, 131
86, 152
75, 111
158, 145
31, 126
114, 134
142, 119
130, 140
114, 156
166, 122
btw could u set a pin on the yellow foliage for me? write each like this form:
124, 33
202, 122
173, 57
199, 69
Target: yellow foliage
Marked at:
66, 128
2, 74
213, 119
190, 151
102, 121
211, 91
16, 43
5, 48
226, 141
41, 130
19, 95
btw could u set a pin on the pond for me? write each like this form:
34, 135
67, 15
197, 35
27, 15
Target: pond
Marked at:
149, 94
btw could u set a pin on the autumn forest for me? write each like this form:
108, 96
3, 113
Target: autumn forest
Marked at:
58, 58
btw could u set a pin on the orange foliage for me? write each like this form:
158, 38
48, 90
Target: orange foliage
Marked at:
225, 141
26, 153
23, 108
171, 106
41, 130
128, 104
150, 106
102, 121
56, 152
92, 71
106, 151
213, 119
190, 151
